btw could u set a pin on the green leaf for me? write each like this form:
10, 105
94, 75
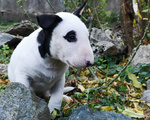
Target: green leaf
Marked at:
135, 81
146, 10
67, 73
96, 59
111, 71
148, 34
54, 114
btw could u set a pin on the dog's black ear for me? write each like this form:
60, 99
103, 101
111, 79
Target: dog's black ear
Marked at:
48, 22
79, 11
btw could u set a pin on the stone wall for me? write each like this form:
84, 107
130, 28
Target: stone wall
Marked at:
10, 10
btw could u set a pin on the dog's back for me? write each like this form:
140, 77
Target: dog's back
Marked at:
21, 55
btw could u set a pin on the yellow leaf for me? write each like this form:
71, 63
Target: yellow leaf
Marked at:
107, 108
135, 1
112, 90
66, 107
81, 88
134, 23
138, 12
135, 94
132, 113
135, 81
54, 114
148, 104
84, 102
89, 10
135, 100
119, 109
145, 18
68, 101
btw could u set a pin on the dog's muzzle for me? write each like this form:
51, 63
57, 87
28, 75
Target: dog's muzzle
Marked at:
88, 63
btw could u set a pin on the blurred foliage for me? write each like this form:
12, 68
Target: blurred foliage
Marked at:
5, 24
95, 9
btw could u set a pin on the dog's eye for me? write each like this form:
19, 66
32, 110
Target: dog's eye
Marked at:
71, 36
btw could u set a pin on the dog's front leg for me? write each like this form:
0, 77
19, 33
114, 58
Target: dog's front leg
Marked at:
57, 94
22, 79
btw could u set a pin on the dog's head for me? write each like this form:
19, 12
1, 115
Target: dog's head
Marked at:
65, 37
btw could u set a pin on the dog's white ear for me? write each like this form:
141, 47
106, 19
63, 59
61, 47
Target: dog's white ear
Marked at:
48, 22
79, 11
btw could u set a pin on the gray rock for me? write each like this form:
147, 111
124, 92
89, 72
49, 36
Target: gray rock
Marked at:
148, 85
11, 40
106, 42
24, 28
146, 96
142, 55
3, 68
84, 113
18, 103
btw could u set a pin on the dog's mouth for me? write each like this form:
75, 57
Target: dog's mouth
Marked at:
70, 64
75, 66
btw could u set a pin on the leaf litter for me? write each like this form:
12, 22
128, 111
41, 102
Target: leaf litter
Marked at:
122, 96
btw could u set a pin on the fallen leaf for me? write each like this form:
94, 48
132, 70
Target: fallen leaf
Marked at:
95, 101
66, 107
84, 102
135, 81
107, 108
54, 114
81, 88
138, 13
133, 113
135, 94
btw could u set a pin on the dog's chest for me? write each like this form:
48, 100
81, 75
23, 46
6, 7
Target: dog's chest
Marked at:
44, 78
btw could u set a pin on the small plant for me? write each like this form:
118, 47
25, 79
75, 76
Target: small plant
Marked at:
100, 62
5, 24
2, 88
5, 54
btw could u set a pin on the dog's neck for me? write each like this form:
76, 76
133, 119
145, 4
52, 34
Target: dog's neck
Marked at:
50, 62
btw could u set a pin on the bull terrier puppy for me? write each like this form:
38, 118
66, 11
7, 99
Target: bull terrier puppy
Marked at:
41, 59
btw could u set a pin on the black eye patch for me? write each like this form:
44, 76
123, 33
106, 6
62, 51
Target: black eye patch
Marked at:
71, 36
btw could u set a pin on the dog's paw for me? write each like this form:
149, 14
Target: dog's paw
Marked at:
53, 107
67, 98
68, 89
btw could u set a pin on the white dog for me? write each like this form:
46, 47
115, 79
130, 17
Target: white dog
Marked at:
41, 59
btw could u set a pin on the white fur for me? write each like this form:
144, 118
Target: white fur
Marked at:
48, 74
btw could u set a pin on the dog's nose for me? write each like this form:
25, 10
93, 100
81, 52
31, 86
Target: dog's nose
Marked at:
88, 63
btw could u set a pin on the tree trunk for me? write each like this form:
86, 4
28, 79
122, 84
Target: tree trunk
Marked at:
128, 17
141, 23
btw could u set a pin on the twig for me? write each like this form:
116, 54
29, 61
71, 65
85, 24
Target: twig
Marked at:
92, 72
26, 13
62, 6
51, 5
74, 3
90, 27
78, 72
102, 70
130, 60
98, 19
